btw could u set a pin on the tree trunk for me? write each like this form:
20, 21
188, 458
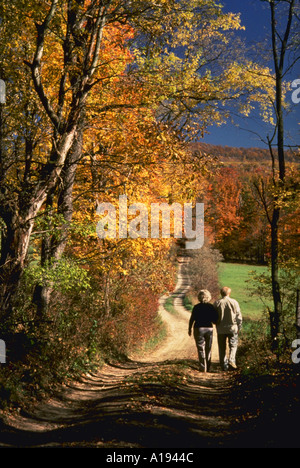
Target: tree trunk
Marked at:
14, 247
18, 217
279, 48
53, 244
277, 317
20, 206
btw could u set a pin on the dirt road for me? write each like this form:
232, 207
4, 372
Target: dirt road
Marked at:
178, 344
159, 400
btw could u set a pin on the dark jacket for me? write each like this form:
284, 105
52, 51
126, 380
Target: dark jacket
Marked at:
204, 315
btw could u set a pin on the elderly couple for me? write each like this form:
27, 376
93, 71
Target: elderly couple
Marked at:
226, 314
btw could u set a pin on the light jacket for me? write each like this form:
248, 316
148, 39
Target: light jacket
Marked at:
230, 317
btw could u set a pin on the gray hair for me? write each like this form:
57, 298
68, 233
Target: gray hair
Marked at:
204, 296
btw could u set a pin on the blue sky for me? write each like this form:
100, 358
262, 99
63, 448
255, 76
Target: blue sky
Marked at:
255, 16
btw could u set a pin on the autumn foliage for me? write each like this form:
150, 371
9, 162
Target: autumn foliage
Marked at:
239, 227
103, 99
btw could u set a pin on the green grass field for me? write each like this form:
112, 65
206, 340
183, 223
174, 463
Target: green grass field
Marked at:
235, 276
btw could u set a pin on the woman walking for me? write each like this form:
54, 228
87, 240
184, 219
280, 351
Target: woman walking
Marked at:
204, 315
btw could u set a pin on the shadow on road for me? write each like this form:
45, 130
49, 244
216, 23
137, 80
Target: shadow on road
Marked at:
132, 405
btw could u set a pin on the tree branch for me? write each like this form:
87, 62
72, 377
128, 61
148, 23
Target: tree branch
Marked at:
35, 66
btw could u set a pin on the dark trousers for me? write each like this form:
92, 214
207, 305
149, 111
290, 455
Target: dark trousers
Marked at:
204, 339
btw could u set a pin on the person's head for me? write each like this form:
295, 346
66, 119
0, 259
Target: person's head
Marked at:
225, 291
204, 296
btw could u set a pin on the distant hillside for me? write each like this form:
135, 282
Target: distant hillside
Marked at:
230, 154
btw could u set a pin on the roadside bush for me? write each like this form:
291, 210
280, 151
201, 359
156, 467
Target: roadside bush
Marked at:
257, 351
254, 353
42, 353
203, 271
80, 330
289, 284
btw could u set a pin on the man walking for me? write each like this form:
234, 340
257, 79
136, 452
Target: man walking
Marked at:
228, 327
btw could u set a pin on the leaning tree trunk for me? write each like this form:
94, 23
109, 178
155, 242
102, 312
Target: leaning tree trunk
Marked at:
54, 244
82, 47
18, 217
